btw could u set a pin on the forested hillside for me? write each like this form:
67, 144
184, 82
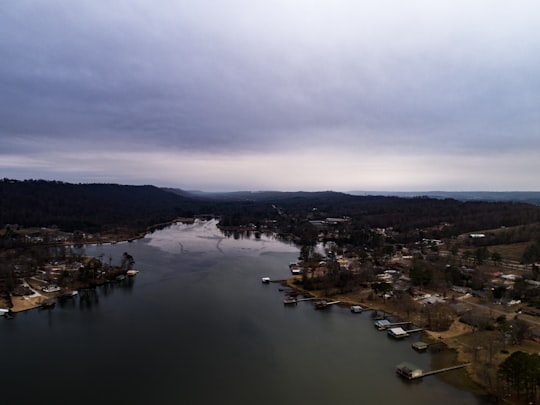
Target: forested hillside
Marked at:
95, 207
88, 207
403, 214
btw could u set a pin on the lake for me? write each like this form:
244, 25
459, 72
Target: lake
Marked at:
197, 326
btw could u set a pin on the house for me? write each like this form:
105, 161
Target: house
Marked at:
511, 277
533, 282
335, 221
296, 268
433, 300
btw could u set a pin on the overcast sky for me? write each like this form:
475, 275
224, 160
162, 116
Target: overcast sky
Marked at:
279, 94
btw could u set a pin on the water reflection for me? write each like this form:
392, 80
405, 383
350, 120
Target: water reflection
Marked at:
203, 237
88, 298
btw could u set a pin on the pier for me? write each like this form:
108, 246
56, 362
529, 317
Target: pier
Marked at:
443, 370
399, 333
293, 300
306, 299
384, 324
412, 372
325, 304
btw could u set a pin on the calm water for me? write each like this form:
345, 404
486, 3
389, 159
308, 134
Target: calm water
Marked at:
197, 326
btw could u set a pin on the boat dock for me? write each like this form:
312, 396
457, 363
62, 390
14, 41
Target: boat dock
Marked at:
399, 332
306, 299
412, 372
383, 324
443, 370
293, 300
325, 304
420, 346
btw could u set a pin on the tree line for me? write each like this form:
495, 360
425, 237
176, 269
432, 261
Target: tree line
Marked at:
93, 207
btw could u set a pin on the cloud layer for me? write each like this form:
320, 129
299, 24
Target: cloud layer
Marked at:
272, 94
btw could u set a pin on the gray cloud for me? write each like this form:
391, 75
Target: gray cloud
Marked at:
237, 78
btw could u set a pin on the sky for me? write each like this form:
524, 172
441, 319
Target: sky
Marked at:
289, 95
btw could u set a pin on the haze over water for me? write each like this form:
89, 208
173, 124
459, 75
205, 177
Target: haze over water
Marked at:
197, 326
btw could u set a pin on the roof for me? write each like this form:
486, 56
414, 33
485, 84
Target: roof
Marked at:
382, 322
397, 331
408, 365
420, 345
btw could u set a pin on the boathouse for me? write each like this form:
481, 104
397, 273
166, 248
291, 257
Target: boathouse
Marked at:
420, 346
397, 333
382, 324
409, 371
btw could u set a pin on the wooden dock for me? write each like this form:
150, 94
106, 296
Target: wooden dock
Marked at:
306, 299
325, 304
383, 324
398, 323
443, 370
412, 372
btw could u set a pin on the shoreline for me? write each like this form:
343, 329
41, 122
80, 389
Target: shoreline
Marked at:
467, 381
16, 304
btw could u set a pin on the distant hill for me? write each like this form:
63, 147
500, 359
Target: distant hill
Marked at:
88, 206
531, 197
407, 215
98, 207
259, 195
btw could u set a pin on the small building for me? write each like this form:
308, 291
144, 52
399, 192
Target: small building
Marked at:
409, 371
321, 304
420, 346
433, 300
335, 221
290, 301
533, 283
51, 288
296, 268
511, 277
397, 333
382, 324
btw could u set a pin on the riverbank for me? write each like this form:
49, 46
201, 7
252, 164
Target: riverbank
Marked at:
459, 344
40, 298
